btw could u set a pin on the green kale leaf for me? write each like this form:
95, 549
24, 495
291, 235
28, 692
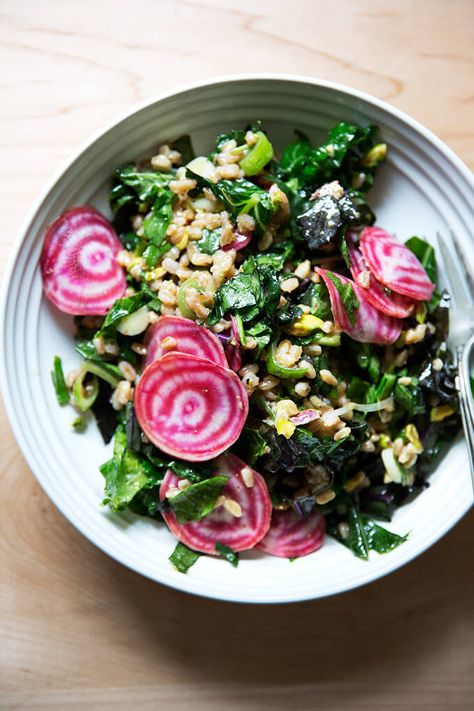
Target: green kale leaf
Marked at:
155, 226
126, 474
348, 297
426, 255
254, 291
183, 558
364, 534
122, 308
145, 185
241, 197
345, 155
210, 241
197, 500
231, 556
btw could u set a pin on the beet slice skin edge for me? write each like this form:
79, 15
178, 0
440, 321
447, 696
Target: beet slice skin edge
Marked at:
188, 337
370, 326
238, 532
291, 536
190, 407
391, 304
394, 265
81, 275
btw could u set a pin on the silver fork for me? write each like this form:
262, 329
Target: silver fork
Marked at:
461, 331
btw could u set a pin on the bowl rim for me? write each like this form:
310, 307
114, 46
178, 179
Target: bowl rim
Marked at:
414, 124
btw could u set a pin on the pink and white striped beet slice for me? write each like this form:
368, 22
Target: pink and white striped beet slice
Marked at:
187, 337
239, 533
291, 536
81, 275
394, 265
394, 304
370, 326
190, 407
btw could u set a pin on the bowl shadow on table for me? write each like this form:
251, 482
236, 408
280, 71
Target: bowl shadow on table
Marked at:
396, 624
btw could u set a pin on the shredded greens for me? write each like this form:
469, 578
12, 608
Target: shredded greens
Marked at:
183, 558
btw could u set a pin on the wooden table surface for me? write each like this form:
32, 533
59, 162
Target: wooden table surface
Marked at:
77, 630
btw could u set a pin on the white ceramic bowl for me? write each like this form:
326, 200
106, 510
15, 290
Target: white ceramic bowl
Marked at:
422, 188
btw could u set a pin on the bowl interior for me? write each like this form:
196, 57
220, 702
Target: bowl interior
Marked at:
421, 189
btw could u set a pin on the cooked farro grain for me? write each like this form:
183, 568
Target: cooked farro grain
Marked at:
161, 163
302, 388
363, 279
139, 348
247, 477
325, 497
415, 335
310, 371
303, 269
181, 187
229, 171
127, 370
313, 349
342, 433
233, 507
168, 293
268, 383
289, 285
287, 354
328, 377
245, 223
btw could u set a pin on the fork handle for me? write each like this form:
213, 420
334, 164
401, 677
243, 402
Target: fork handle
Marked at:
466, 398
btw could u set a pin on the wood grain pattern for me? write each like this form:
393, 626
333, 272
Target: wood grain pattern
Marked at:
77, 630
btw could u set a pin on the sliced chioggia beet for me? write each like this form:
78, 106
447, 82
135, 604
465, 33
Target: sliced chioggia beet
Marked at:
392, 304
189, 407
181, 335
241, 517
291, 536
81, 275
394, 265
357, 317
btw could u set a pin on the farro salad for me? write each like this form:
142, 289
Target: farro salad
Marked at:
271, 365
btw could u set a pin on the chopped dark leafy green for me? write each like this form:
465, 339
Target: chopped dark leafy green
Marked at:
210, 241
253, 292
183, 558
304, 449
145, 185
277, 256
251, 445
231, 556
126, 474
363, 535
122, 308
60, 387
105, 415
339, 157
197, 500
426, 254
155, 226
317, 298
348, 297
242, 197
